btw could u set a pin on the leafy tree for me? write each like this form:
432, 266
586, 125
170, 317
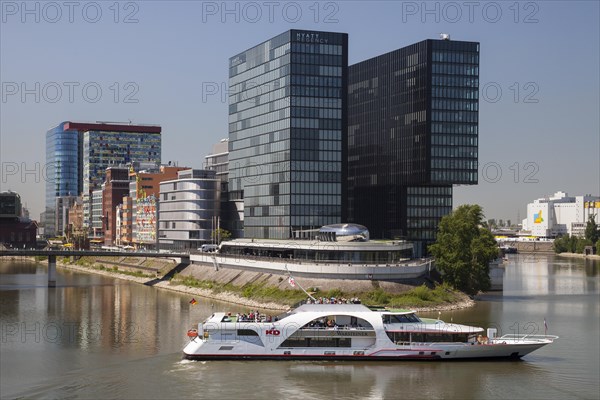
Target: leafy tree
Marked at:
464, 249
581, 243
598, 247
221, 235
562, 244
592, 233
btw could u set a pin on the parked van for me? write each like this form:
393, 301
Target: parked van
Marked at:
209, 248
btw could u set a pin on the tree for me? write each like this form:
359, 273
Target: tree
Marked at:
464, 249
591, 230
220, 235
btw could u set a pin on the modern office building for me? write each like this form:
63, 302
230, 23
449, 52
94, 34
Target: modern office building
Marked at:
78, 153
231, 210
102, 148
188, 207
62, 171
561, 214
412, 134
287, 123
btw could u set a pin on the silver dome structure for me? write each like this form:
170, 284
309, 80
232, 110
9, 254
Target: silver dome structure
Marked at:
344, 233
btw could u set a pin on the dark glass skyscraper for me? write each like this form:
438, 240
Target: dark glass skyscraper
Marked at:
287, 124
412, 134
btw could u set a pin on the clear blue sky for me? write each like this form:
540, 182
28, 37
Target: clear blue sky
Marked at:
540, 79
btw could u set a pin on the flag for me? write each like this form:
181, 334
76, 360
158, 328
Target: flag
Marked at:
193, 302
292, 282
545, 326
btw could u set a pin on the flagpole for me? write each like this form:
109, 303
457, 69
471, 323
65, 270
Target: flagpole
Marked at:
300, 286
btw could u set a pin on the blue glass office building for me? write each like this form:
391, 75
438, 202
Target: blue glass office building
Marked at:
287, 132
63, 177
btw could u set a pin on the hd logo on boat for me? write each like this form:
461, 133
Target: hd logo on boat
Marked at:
273, 332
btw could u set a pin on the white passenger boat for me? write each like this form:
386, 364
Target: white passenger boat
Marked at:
351, 332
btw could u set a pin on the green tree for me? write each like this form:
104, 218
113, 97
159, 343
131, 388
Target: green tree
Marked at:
561, 244
591, 230
464, 249
220, 235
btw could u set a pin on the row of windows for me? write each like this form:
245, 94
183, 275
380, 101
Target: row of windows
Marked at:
329, 209
451, 140
449, 164
429, 201
265, 173
261, 129
430, 212
310, 91
315, 48
320, 102
455, 105
261, 119
455, 93
430, 190
307, 155
315, 200
237, 113
236, 75
455, 69
322, 81
452, 80
324, 145
305, 112
455, 57
316, 342
316, 187
311, 123
454, 176
244, 100
316, 59
457, 151
323, 70
456, 116
446, 128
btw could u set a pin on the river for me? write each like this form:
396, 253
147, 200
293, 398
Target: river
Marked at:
99, 337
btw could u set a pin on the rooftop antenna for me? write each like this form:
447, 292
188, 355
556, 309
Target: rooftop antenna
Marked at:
445, 36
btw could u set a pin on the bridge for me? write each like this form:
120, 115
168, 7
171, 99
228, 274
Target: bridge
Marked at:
52, 254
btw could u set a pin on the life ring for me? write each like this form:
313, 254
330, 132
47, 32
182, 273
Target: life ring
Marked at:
192, 333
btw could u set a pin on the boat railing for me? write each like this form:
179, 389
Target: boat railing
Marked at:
336, 328
515, 337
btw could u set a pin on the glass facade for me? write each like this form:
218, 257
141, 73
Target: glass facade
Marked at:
287, 119
102, 149
62, 151
412, 134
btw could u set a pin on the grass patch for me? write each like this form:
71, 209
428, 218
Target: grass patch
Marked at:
420, 296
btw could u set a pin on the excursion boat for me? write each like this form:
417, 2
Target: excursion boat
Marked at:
351, 332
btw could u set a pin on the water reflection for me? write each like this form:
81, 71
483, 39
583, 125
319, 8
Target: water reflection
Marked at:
95, 335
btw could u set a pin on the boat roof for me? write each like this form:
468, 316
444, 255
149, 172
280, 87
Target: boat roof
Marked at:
337, 308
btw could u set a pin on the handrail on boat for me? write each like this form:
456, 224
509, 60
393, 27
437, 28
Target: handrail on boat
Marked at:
519, 337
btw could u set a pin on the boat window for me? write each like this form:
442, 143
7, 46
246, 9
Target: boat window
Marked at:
316, 342
399, 318
338, 322
406, 337
247, 332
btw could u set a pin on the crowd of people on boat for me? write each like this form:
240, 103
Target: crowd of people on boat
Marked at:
333, 300
254, 316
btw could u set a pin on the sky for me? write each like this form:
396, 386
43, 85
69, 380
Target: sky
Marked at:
166, 63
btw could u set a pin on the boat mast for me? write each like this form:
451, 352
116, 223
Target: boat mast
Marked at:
297, 283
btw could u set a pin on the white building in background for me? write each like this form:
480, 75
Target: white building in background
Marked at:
561, 214
188, 208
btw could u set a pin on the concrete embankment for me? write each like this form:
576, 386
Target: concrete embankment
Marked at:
534, 247
154, 273
577, 255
